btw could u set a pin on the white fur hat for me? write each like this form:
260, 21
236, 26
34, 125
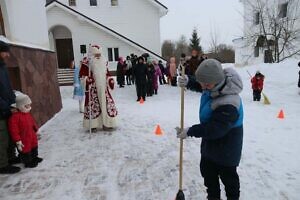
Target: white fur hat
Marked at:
22, 100
95, 49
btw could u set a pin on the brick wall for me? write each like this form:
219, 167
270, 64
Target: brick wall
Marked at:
33, 72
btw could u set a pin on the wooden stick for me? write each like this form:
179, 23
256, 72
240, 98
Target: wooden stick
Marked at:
181, 127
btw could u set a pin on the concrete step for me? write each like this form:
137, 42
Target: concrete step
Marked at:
65, 76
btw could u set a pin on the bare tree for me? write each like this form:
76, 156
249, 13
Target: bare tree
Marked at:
214, 40
182, 47
224, 53
273, 27
168, 49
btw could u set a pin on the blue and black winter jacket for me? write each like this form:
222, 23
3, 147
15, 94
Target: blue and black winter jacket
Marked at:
221, 121
7, 96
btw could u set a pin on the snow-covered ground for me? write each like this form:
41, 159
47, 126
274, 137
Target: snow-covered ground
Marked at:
132, 163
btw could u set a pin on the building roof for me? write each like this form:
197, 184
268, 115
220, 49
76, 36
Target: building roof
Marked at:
165, 7
122, 37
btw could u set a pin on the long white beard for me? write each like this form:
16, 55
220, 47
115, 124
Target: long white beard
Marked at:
98, 67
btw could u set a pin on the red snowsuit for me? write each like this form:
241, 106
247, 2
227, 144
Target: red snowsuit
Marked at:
258, 82
22, 127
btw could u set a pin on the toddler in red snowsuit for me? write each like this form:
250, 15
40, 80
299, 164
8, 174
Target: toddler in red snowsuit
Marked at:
23, 131
257, 85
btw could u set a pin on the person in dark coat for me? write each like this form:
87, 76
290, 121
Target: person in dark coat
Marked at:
220, 127
128, 71
134, 61
257, 85
192, 65
121, 72
150, 79
193, 62
140, 74
162, 79
7, 98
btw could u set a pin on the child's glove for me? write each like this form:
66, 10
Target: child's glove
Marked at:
182, 134
182, 81
19, 145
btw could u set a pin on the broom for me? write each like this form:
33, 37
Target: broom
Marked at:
180, 194
266, 99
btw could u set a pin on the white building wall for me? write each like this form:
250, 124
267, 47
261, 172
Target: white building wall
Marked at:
138, 20
84, 33
26, 22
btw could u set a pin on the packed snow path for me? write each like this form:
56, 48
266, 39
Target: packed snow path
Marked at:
132, 163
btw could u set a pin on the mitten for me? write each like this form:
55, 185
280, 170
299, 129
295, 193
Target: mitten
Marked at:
182, 81
19, 145
181, 133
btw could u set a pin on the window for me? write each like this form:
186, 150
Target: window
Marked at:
256, 51
72, 2
114, 2
256, 18
116, 52
283, 10
2, 30
93, 2
113, 54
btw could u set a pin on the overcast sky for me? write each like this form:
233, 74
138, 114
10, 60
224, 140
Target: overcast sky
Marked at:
221, 15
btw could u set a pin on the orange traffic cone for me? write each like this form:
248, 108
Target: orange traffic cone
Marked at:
281, 114
141, 100
158, 130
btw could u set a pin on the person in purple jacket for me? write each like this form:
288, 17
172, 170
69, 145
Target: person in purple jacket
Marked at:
156, 76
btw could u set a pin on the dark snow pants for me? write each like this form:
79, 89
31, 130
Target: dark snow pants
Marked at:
141, 90
211, 172
256, 95
7, 148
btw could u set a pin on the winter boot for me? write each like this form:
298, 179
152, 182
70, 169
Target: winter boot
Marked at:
15, 160
9, 169
34, 154
28, 160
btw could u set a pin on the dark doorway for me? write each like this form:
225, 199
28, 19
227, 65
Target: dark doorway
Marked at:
268, 58
64, 51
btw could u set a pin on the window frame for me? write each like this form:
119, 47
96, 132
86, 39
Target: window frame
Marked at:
94, 2
72, 2
114, 3
256, 18
113, 54
283, 9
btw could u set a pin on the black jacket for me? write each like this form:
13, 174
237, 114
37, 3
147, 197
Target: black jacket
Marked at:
140, 73
7, 96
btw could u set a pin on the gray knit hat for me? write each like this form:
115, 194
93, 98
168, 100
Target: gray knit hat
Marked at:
210, 71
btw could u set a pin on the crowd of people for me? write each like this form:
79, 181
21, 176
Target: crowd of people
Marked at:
144, 72
147, 73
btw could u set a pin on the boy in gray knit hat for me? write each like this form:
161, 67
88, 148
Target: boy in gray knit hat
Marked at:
220, 127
